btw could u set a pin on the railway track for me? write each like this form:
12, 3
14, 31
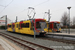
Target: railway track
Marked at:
25, 44
58, 39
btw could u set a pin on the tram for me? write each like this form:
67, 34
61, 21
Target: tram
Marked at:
29, 26
54, 26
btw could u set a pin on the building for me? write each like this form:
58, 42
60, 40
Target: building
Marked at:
2, 20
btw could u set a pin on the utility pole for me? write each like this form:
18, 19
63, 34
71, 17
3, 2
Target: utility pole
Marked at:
16, 18
48, 15
34, 29
48, 19
66, 26
5, 21
33, 21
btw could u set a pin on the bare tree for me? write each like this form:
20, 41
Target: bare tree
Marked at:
65, 20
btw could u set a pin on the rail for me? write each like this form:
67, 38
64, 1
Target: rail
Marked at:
22, 44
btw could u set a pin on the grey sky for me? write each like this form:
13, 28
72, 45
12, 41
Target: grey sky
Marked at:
20, 8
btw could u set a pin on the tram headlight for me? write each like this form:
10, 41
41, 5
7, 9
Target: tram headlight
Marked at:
43, 31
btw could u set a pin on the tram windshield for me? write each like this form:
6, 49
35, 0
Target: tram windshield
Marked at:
56, 25
40, 25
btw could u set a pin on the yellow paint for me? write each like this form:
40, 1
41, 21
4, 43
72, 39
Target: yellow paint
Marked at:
10, 28
60, 29
17, 27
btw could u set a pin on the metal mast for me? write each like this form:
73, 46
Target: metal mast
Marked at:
33, 20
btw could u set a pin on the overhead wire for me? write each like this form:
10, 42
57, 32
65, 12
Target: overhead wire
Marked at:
41, 3
6, 6
9, 3
24, 9
45, 15
2, 10
38, 5
35, 5
2, 5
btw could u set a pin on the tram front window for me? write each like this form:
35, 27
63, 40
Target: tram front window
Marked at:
41, 25
38, 25
56, 25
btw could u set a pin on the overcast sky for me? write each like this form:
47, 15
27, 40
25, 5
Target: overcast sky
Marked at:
13, 8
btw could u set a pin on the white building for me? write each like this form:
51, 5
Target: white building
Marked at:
2, 20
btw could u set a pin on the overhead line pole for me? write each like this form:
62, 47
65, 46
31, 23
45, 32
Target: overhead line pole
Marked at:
16, 18
48, 15
33, 21
48, 19
5, 22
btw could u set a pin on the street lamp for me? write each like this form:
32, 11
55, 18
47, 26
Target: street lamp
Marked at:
69, 18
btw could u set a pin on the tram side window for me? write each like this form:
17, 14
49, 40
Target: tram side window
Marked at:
22, 25
50, 26
9, 26
25, 25
17, 25
55, 25
13, 26
38, 25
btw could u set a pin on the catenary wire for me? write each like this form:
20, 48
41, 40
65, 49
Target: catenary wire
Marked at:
6, 6
34, 6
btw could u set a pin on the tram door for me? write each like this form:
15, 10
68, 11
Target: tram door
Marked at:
32, 28
16, 27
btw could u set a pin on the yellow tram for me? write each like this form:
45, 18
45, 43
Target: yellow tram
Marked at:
27, 27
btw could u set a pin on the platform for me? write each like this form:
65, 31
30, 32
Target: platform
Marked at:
62, 34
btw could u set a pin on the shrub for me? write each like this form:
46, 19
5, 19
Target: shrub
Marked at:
2, 27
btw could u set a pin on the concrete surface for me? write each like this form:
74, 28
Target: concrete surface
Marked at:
7, 45
1, 48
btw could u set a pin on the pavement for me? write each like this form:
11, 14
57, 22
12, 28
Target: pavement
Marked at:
7, 45
63, 34
1, 48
